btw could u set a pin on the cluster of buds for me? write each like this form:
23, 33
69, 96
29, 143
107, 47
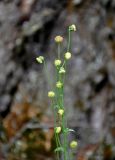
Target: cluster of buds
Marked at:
61, 112
72, 28
57, 62
40, 59
62, 70
59, 84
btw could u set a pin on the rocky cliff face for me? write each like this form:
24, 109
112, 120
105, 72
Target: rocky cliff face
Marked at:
27, 29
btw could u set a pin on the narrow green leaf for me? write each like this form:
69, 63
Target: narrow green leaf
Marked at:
68, 130
59, 149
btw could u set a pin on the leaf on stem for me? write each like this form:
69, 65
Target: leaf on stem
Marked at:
59, 149
66, 130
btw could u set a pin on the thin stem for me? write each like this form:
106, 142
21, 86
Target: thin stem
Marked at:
57, 143
58, 139
59, 50
69, 40
64, 63
63, 122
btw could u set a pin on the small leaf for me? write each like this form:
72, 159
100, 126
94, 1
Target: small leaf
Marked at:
71, 130
68, 130
59, 149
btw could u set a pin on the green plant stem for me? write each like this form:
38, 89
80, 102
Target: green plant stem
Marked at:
63, 121
60, 97
65, 139
57, 143
59, 50
59, 102
69, 40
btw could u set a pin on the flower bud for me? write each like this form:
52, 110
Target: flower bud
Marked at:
58, 130
67, 55
51, 94
61, 112
62, 70
59, 84
73, 144
58, 39
57, 62
40, 59
72, 27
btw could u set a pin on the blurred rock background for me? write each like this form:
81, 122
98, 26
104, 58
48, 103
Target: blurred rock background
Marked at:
27, 30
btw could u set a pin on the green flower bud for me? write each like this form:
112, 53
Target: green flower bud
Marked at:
73, 144
40, 59
57, 62
72, 27
59, 84
58, 39
67, 55
51, 94
61, 112
58, 130
62, 70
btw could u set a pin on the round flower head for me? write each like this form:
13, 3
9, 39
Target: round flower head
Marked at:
67, 55
57, 62
58, 130
58, 39
61, 112
73, 144
62, 70
51, 94
59, 84
72, 27
40, 59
